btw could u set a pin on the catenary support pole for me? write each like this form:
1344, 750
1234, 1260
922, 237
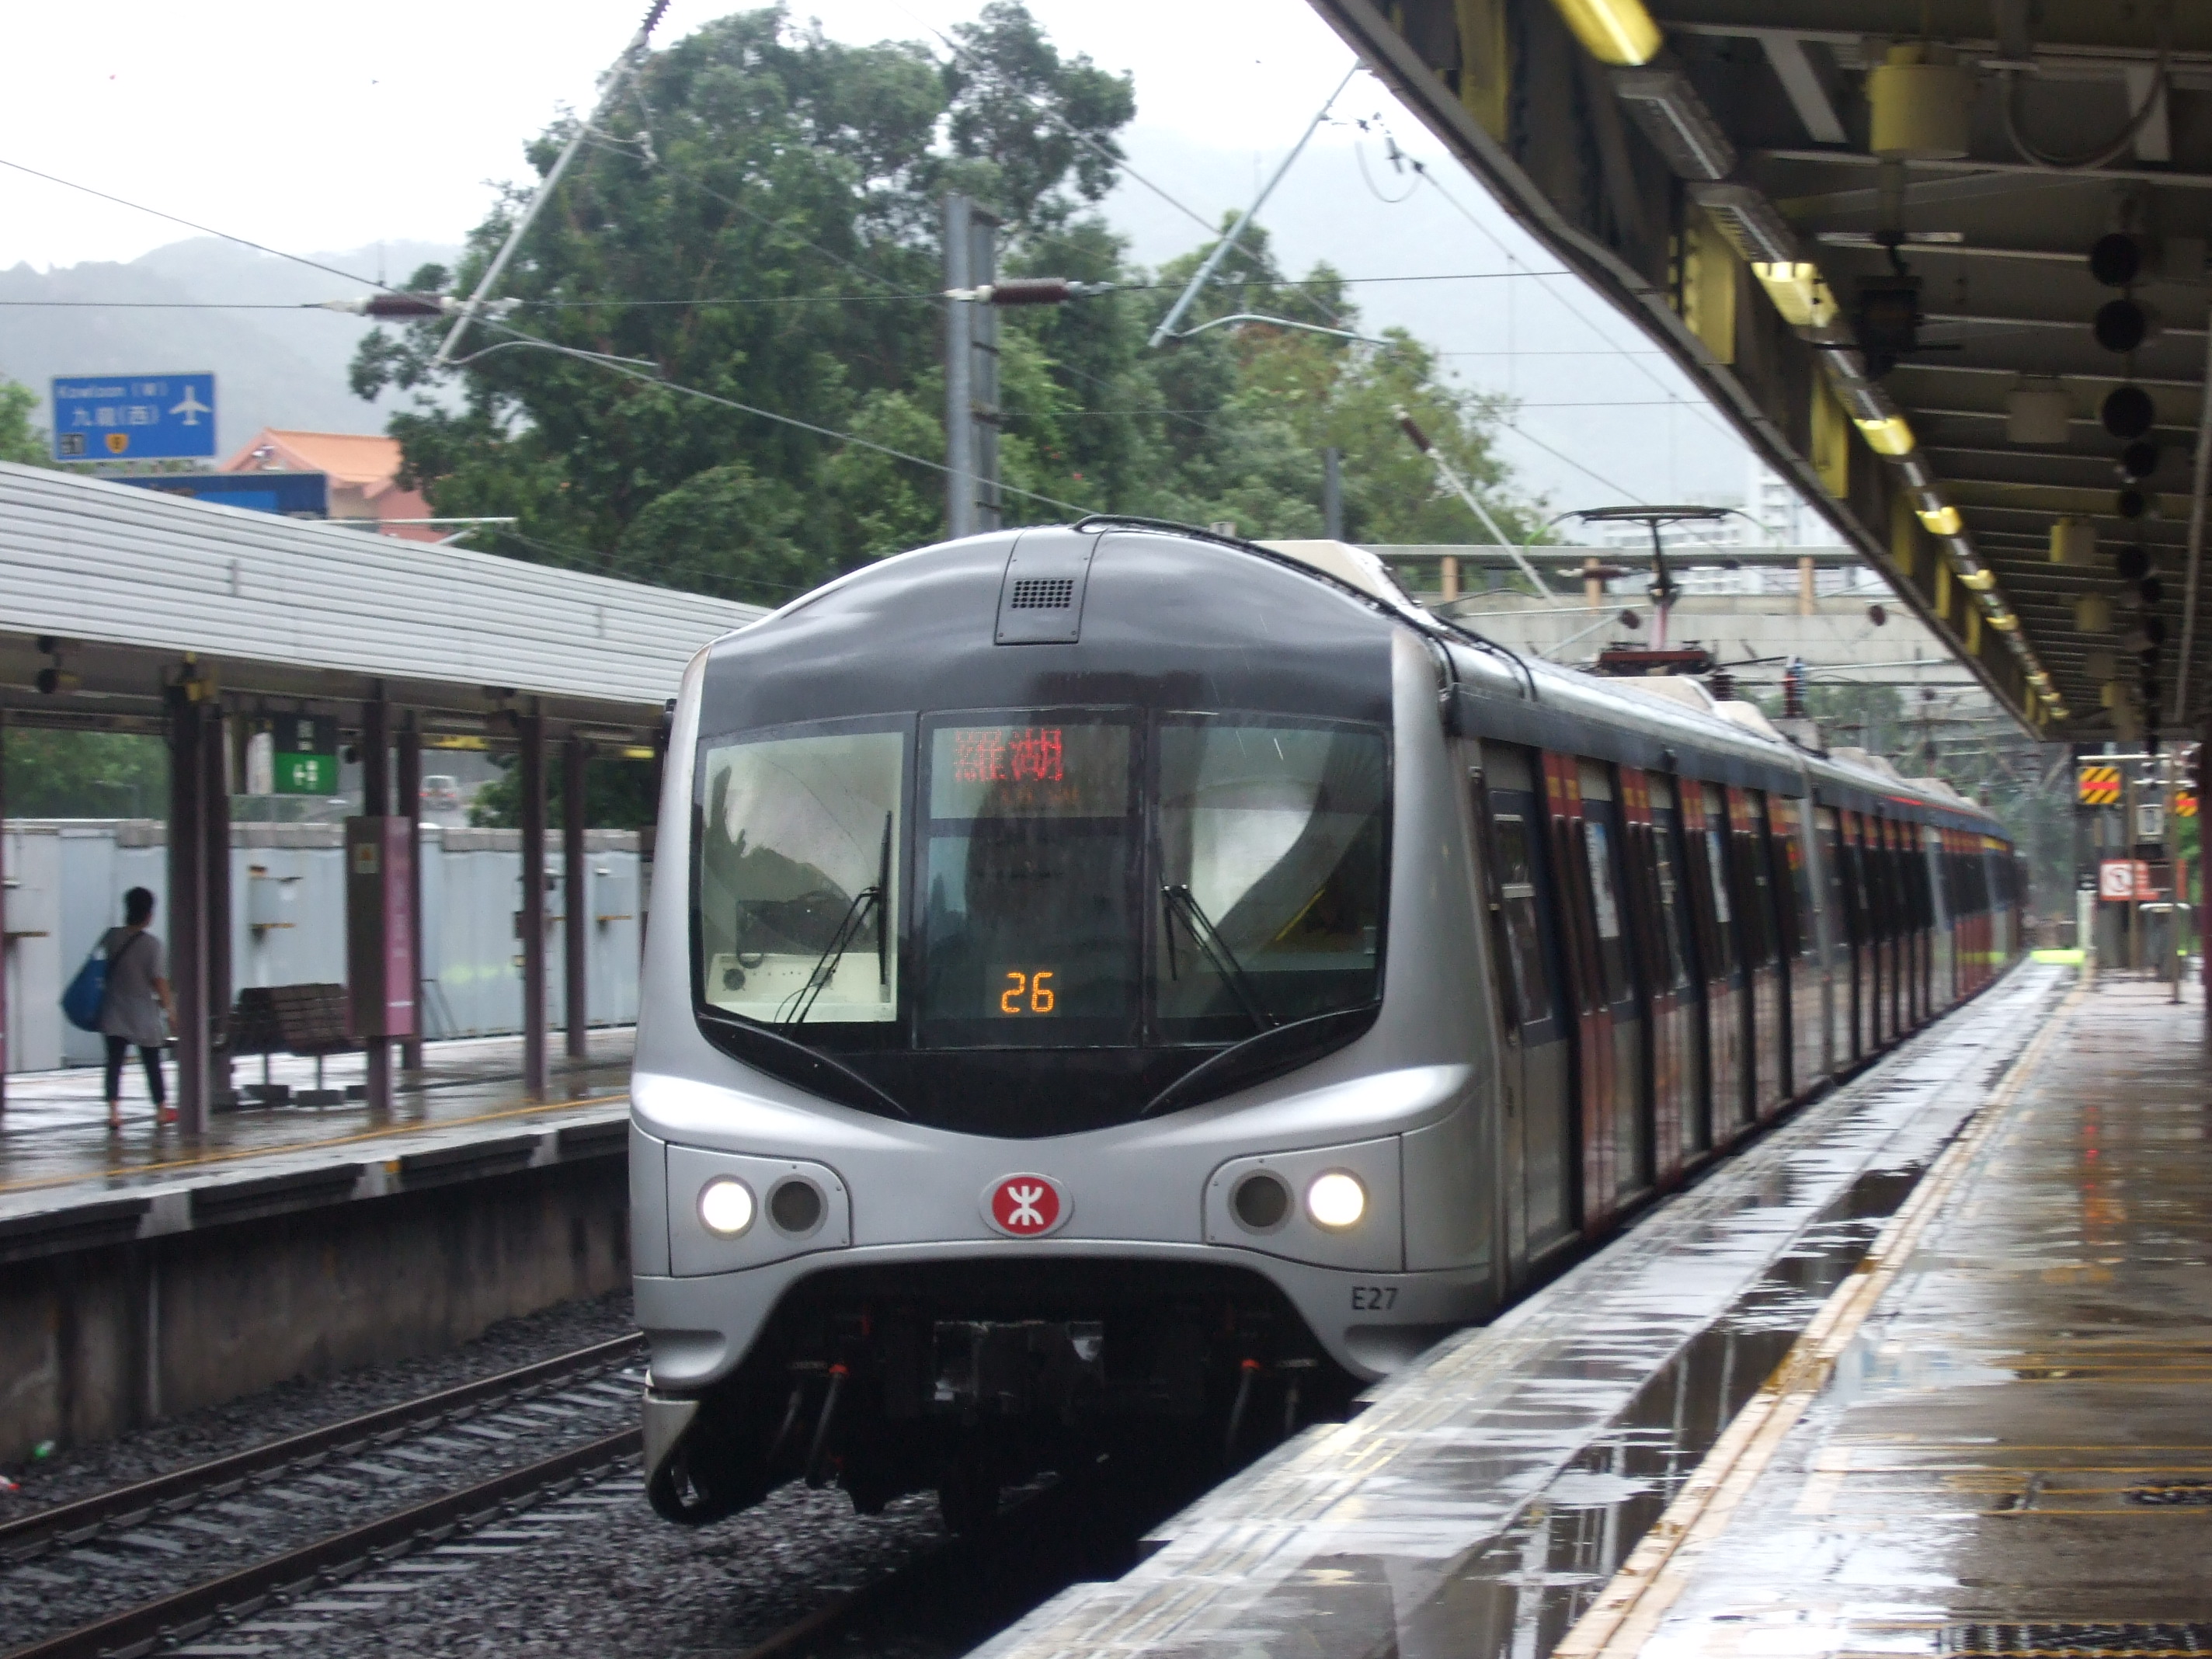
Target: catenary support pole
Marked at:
618, 78
575, 890
531, 768
187, 938
409, 785
376, 803
972, 498
1332, 494
1221, 248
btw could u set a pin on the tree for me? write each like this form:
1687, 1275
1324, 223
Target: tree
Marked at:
772, 243
19, 440
617, 795
86, 775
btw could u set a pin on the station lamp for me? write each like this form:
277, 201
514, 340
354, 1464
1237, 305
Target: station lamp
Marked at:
1612, 31
1939, 517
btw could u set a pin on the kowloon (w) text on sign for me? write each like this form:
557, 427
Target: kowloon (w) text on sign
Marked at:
139, 417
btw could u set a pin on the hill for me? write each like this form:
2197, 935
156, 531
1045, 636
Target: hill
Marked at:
279, 366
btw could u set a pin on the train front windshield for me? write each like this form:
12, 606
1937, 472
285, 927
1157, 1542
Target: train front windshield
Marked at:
1075, 879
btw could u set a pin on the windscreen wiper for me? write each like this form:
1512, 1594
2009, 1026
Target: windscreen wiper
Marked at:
801, 1002
1215, 949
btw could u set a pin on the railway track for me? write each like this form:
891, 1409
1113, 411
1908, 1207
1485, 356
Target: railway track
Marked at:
218, 1542
286, 1587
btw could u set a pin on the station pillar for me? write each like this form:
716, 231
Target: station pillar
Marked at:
531, 766
376, 803
576, 886
409, 785
188, 917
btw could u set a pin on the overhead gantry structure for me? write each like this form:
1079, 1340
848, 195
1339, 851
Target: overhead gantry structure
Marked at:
1941, 262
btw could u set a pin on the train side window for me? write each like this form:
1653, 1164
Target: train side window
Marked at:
1789, 833
1831, 873
1605, 902
1716, 884
1667, 891
1524, 938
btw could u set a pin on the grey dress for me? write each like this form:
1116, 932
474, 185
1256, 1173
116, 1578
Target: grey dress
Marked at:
131, 1010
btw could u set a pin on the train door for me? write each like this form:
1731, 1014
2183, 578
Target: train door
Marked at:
1680, 1129
1593, 1015
1789, 831
1861, 936
1941, 906
1835, 913
1768, 1059
1727, 990
1604, 835
1531, 980
1883, 883
1913, 949
1923, 900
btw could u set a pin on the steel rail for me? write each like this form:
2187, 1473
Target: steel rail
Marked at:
32, 1535
187, 1614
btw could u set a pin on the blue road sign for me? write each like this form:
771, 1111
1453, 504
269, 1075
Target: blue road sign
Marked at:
136, 417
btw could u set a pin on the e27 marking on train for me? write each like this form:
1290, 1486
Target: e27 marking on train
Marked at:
1373, 1297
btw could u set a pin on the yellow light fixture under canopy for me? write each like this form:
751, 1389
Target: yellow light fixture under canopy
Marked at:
1980, 580
1612, 31
1889, 437
1798, 292
1943, 521
2003, 621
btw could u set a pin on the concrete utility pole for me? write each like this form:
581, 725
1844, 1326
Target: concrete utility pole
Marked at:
971, 372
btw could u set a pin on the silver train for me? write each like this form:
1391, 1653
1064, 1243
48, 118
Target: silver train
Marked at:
1138, 987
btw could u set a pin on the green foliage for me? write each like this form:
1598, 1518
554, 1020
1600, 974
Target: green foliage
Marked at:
775, 243
19, 440
85, 774
617, 795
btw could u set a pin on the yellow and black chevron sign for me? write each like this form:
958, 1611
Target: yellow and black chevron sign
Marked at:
2101, 785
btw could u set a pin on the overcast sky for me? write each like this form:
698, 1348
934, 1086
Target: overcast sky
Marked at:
321, 127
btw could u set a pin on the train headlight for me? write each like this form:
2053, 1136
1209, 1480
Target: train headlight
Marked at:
1336, 1201
726, 1206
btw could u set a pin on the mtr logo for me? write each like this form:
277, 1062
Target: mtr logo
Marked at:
1025, 1206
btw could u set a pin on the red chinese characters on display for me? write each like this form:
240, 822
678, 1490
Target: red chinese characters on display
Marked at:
1002, 755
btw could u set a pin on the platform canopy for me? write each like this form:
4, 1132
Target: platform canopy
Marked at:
1866, 228
127, 592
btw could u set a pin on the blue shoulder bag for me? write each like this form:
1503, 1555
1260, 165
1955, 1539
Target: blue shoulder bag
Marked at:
88, 993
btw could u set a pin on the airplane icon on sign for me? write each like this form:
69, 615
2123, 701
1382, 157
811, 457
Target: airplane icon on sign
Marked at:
192, 409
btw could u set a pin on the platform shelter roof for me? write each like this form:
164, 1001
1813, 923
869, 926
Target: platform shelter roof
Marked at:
136, 590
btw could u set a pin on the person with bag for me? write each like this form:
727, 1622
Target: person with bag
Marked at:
136, 1007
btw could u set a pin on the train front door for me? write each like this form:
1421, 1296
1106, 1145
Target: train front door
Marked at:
1533, 981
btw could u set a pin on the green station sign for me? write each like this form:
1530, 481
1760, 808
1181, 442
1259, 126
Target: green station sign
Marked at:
306, 754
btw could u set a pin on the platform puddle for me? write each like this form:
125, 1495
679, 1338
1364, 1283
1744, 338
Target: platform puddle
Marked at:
1519, 1596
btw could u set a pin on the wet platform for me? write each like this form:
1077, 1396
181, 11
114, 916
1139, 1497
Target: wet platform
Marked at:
2007, 1448
1487, 1498
145, 1273
56, 1149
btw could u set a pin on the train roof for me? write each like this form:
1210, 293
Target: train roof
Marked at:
1670, 725
1724, 740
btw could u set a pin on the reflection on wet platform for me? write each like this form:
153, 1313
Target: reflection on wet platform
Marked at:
1486, 1497
2014, 1455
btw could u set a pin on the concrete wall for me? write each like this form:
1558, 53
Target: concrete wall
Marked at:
66, 881
102, 1328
